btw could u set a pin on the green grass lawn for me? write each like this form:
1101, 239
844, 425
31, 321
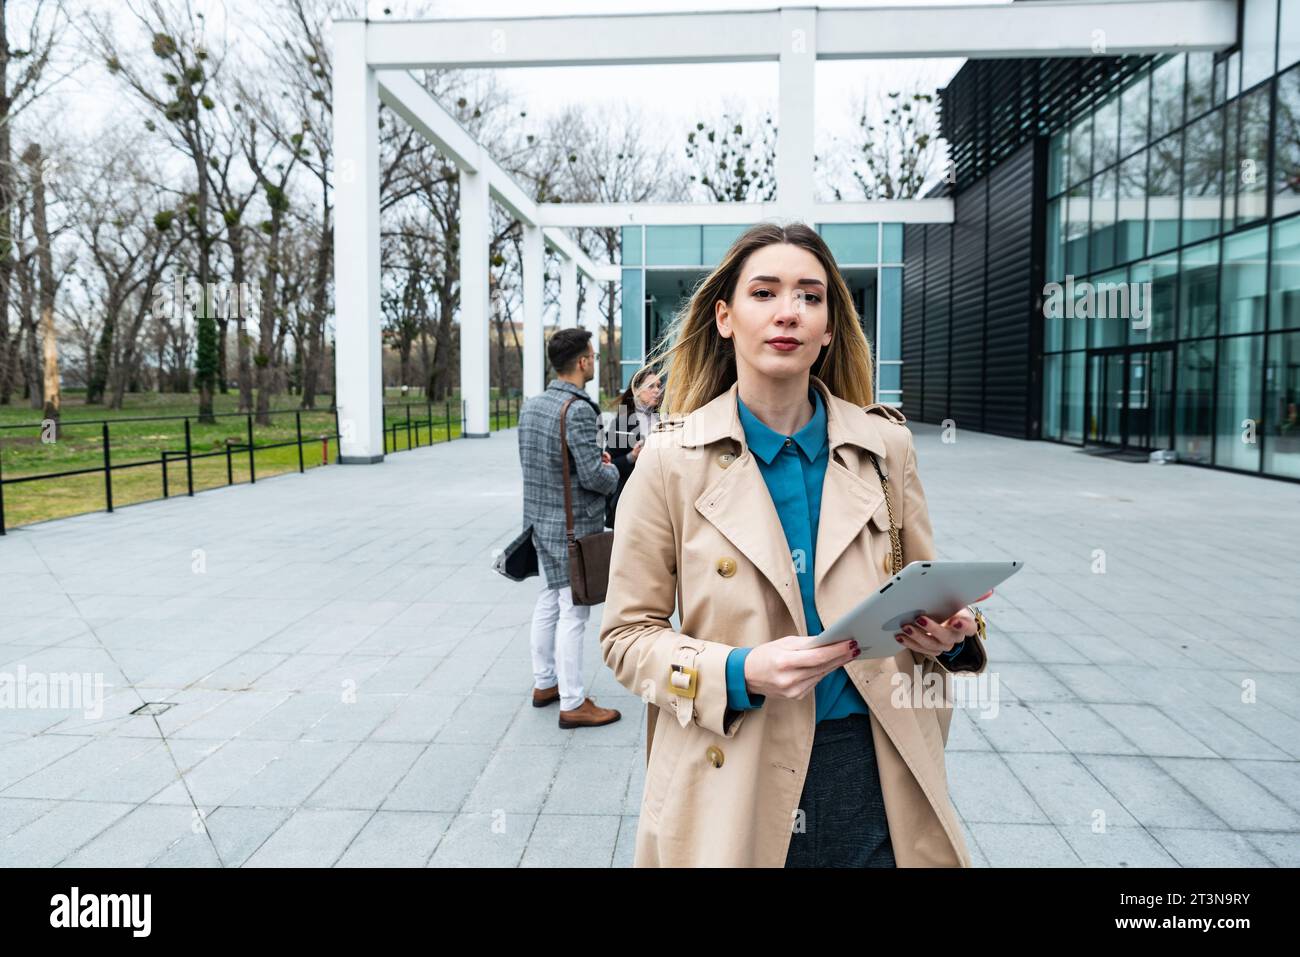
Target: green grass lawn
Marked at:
136, 447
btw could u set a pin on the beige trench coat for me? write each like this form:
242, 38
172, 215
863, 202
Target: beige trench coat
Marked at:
697, 531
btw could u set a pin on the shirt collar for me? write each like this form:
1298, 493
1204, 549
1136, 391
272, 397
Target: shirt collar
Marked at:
767, 442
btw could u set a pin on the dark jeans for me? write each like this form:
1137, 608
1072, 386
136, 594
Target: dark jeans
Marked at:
844, 810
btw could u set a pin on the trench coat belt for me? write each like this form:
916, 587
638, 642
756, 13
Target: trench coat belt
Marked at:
684, 706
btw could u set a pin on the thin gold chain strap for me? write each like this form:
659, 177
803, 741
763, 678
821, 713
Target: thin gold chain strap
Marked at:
895, 542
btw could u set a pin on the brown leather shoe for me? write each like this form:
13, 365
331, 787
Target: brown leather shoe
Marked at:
588, 715
544, 696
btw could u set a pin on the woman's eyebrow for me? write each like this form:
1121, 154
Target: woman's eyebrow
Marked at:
802, 282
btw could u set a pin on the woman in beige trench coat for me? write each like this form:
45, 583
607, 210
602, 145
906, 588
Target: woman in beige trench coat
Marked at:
697, 531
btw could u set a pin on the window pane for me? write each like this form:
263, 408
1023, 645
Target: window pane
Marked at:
1251, 168
1281, 401
1286, 186
1195, 400
1200, 84
1076, 231
1157, 301
851, 242
1244, 284
1103, 221
1163, 193
672, 245
891, 378
891, 250
1285, 283
1241, 362
1258, 37
1110, 309
1051, 427
633, 332
1105, 134
631, 246
891, 313
717, 240
1131, 213
1057, 152
1073, 397
1167, 97
1076, 318
1134, 110
1055, 265
1080, 167
1198, 290
1289, 36
1203, 177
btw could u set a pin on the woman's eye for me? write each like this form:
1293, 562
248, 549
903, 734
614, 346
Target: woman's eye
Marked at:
759, 291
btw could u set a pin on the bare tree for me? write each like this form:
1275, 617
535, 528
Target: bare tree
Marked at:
19, 89
179, 89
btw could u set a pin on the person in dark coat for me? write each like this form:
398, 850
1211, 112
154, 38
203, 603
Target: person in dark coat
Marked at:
636, 415
559, 625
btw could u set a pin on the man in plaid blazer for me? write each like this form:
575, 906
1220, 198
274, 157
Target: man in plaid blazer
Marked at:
558, 624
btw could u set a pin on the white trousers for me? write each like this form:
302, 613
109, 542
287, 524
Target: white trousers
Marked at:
558, 630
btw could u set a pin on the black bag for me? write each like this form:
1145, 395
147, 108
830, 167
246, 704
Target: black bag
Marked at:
519, 559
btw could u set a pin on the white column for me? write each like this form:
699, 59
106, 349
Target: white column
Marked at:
474, 304
796, 123
591, 322
358, 366
534, 265
568, 294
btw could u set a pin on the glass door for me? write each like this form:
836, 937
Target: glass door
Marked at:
1131, 398
1149, 423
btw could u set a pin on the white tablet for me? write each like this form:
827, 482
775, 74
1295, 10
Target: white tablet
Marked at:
934, 589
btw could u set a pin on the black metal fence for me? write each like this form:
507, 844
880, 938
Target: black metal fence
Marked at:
177, 464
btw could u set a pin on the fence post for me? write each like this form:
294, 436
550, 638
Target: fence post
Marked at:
383, 427
108, 471
164, 471
429, 412
189, 460
297, 425
408, 426
447, 410
230, 469
337, 436
252, 472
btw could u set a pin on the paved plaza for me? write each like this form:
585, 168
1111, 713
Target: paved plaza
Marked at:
349, 681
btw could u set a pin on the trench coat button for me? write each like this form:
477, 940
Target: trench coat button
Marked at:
715, 755
726, 567
726, 458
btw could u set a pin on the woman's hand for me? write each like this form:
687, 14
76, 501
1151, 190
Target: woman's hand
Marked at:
931, 637
636, 449
786, 668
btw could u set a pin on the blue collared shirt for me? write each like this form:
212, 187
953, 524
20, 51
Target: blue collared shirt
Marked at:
794, 469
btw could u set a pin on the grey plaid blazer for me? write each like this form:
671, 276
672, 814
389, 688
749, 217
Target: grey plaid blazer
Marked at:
539, 456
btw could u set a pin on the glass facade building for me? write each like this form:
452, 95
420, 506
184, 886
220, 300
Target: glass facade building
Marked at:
661, 265
1181, 190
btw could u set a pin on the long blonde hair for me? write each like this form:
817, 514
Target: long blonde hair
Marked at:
699, 364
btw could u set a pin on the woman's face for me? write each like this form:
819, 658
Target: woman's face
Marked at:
777, 320
650, 390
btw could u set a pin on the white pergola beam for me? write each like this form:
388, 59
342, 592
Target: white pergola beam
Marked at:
574, 215
1054, 28
1045, 28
